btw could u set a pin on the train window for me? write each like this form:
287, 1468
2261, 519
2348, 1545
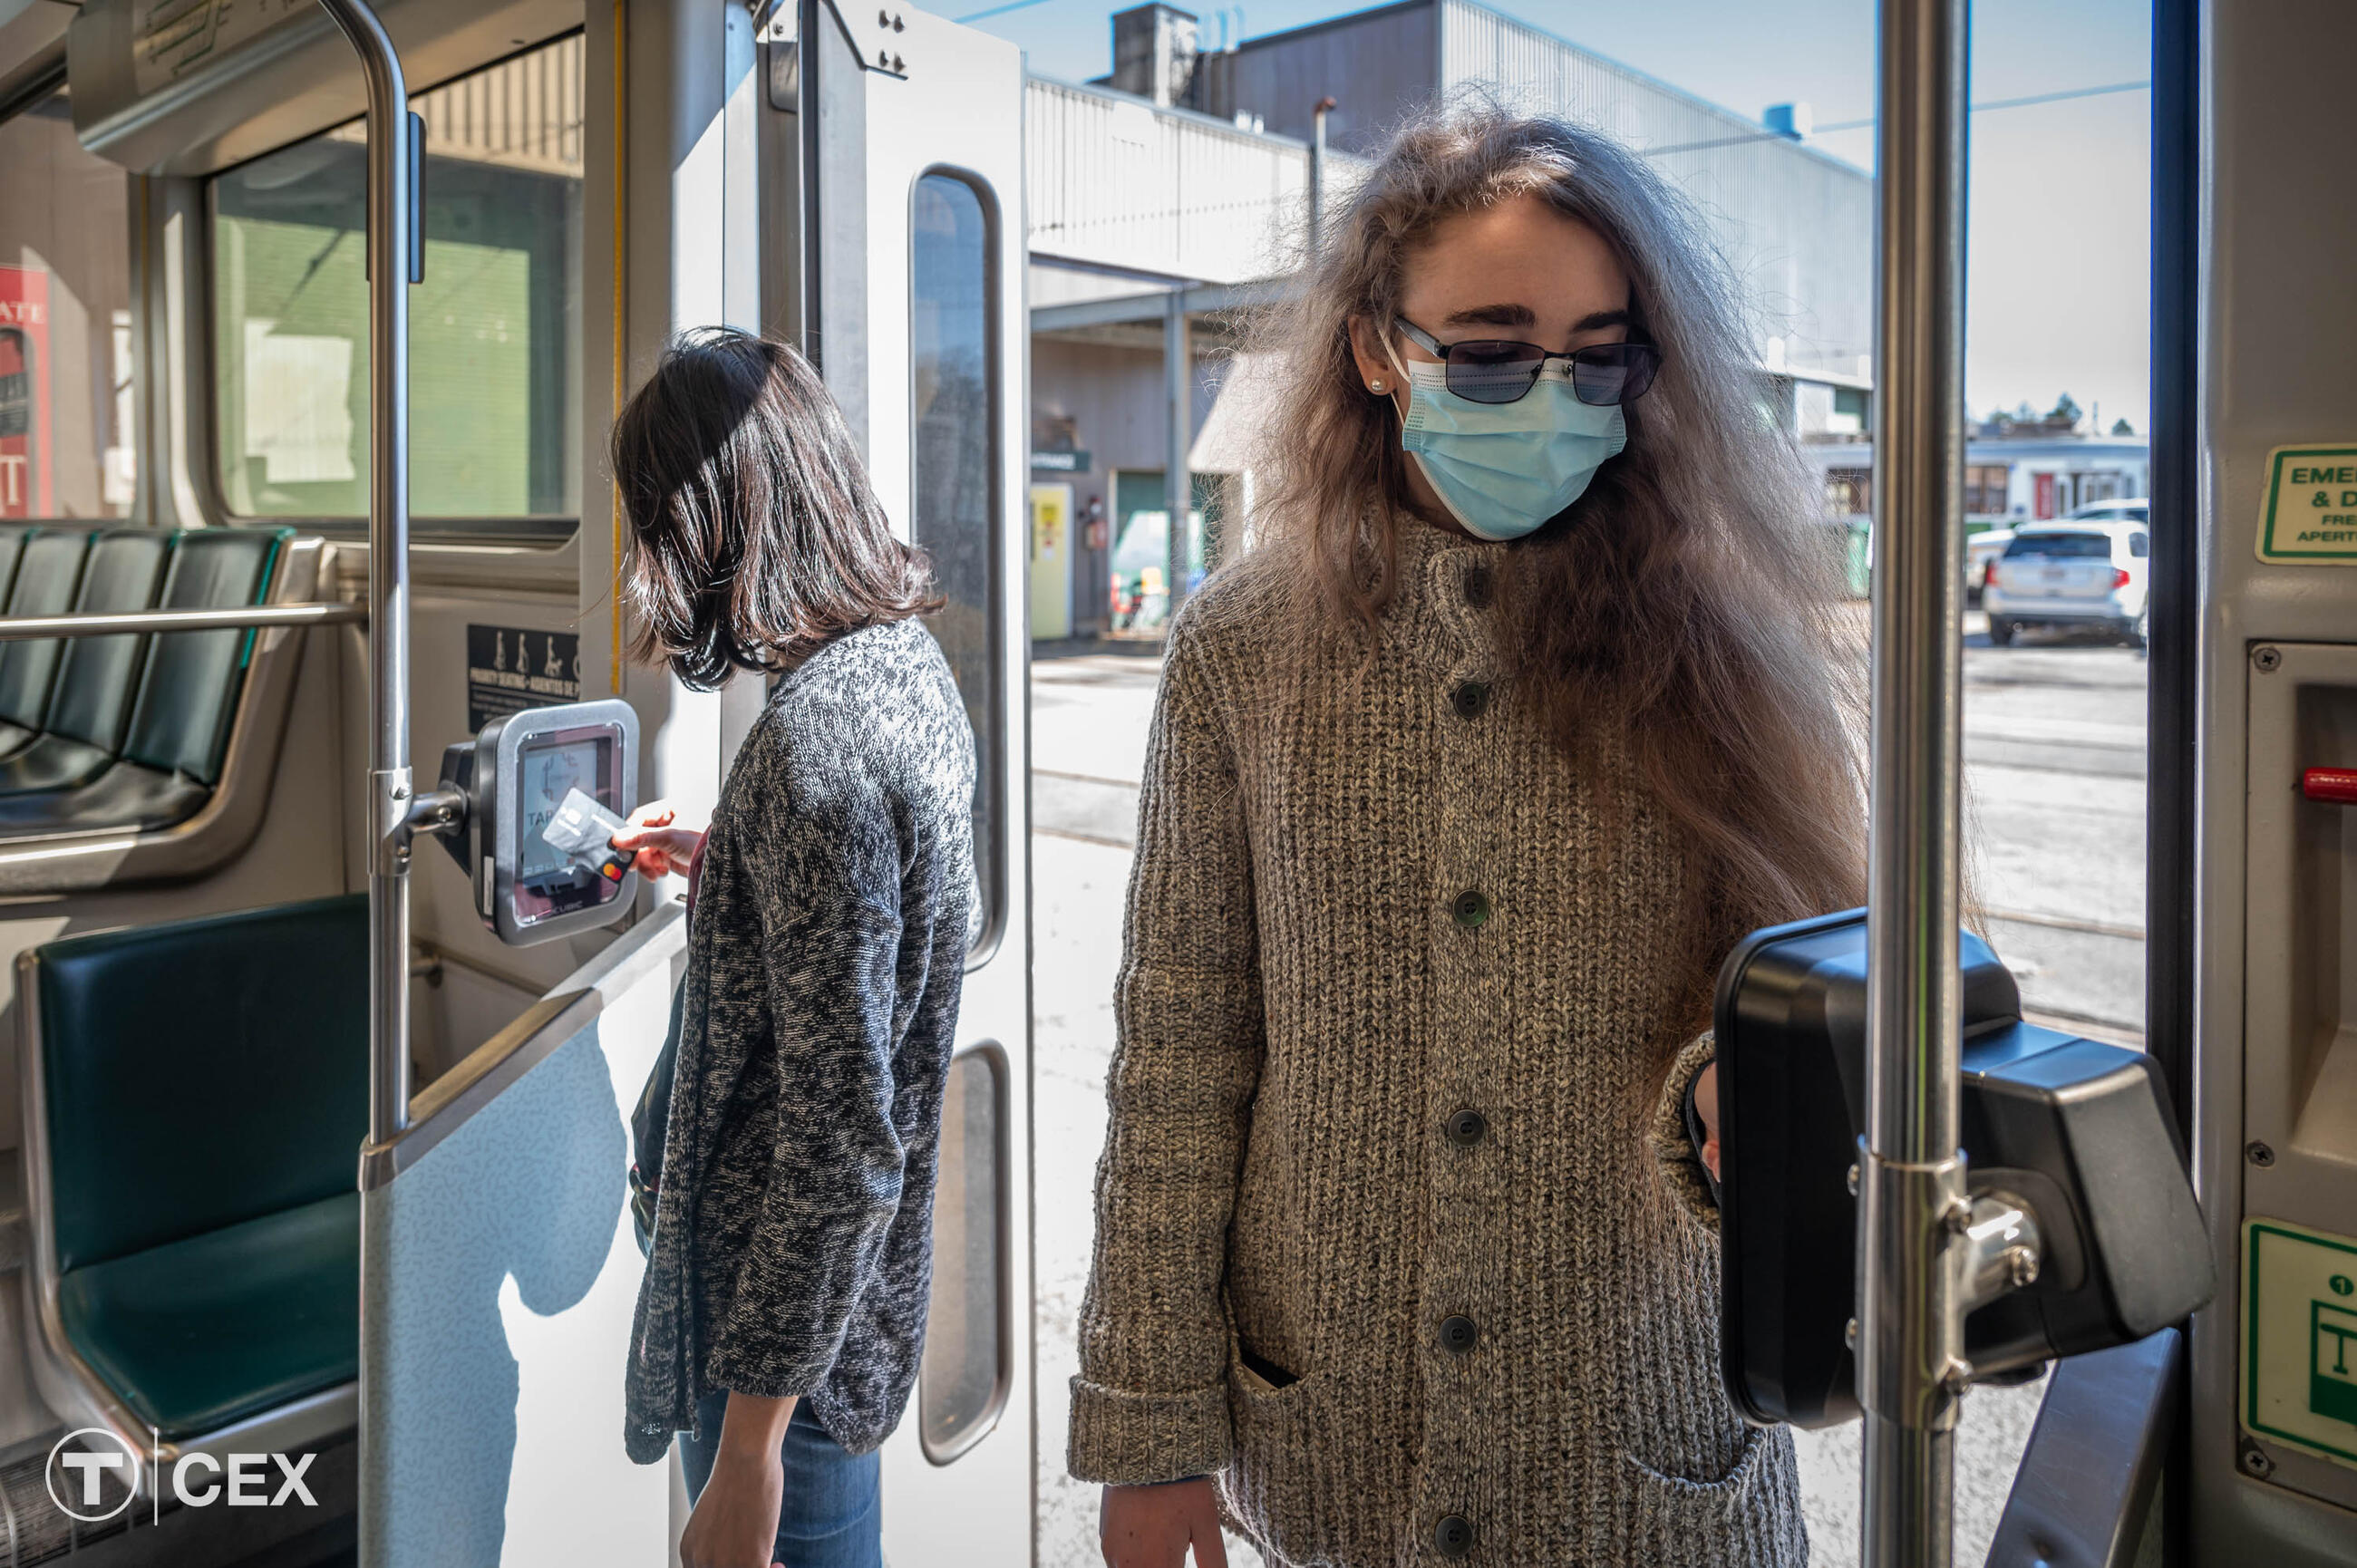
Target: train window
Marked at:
495, 329
66, 404
954, 496
963, 1382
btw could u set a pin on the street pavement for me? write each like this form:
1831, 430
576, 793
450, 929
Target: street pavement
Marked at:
2054, 756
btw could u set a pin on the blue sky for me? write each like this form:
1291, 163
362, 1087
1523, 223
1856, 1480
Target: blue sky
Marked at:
2060, 208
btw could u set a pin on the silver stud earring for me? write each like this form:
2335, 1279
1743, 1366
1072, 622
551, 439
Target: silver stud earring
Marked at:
1375, 385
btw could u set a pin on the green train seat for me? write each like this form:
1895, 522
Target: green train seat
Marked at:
184, 698
48, 571
83, 724
195, 1095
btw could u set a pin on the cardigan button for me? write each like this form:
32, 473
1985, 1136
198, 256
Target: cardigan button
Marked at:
1470, 700
1458, 1334
1471, 908
1467, 1127
1453, 1536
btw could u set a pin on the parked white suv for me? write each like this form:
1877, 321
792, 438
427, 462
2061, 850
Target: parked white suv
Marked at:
2089, 571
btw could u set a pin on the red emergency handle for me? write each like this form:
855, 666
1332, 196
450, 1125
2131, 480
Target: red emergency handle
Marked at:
2333, 786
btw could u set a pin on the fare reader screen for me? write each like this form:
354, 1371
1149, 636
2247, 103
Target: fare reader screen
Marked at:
551, 773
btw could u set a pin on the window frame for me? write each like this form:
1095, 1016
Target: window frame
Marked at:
991, 761
543, 532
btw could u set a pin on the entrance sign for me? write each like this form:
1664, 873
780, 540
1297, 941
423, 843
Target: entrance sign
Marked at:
2309, 515
2300, 1338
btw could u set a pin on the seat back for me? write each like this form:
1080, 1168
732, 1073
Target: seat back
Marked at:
49, 569
12, 550
201, 1072
181, 717
95, 673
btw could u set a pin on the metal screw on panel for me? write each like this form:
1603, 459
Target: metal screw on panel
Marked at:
1853, 1181
2022, 1266
1955, 1377
899, 65
1849, 1333
2266, 658
1957, 1216
899, 25
883, 18
2260, 1154
2255, 1461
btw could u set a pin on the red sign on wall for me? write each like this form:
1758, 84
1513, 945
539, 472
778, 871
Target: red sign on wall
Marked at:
2043, 506
24, 392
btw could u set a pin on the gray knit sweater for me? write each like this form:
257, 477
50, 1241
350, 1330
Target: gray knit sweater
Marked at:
1369, 900
793, 1224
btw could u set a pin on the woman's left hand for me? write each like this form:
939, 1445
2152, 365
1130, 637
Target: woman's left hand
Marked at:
735, 1524
1706, 1108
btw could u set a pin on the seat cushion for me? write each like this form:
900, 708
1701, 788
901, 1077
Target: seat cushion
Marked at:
201, 1073
52, 762
199, 1333
126, 798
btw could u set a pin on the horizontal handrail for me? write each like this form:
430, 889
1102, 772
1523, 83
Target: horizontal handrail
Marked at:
26, 629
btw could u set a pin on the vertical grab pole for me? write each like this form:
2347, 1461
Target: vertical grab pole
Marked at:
1911, 1361
391, 213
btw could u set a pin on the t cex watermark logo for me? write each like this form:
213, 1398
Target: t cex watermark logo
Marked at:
100, 1479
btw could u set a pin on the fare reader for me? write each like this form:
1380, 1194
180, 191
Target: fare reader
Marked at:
526, 807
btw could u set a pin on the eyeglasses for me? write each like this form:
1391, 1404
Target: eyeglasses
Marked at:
1494, 371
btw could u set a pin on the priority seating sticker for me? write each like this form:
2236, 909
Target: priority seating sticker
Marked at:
2300, 1338
2309, 516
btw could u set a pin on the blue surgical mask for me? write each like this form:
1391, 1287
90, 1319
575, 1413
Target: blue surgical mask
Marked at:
1504, 469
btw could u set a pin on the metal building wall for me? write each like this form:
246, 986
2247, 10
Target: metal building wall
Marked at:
1797, 225
1117, 182
1377, 67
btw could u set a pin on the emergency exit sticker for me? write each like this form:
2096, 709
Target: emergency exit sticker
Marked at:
2310, 515
2300, 1338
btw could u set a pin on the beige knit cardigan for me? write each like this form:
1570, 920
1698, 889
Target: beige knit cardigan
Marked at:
1370, 897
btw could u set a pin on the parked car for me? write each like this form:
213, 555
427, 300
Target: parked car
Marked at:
1980, 549
2090, 571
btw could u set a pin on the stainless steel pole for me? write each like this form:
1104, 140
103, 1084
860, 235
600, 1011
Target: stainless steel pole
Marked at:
1911, 1370
390, 210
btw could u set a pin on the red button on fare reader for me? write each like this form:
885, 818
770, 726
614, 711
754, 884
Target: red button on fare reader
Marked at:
2332, 786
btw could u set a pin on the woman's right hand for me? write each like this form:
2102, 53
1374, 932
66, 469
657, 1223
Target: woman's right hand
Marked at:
663, 850
1152, 1526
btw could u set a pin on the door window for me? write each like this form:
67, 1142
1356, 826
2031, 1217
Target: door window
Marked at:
954, 503
962, 1385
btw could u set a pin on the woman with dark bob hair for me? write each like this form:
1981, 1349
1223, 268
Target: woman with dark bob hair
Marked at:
783, 1310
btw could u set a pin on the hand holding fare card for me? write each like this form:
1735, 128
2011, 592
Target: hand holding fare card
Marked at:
582, 831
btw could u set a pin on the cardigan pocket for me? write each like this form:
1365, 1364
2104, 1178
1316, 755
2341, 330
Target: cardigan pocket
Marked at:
1747, 1518
1729, 1489
1273, 1484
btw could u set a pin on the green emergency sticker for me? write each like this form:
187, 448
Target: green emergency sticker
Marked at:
2310, 514
2300, 1338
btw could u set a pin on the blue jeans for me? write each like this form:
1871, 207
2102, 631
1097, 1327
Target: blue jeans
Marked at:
834, 1513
